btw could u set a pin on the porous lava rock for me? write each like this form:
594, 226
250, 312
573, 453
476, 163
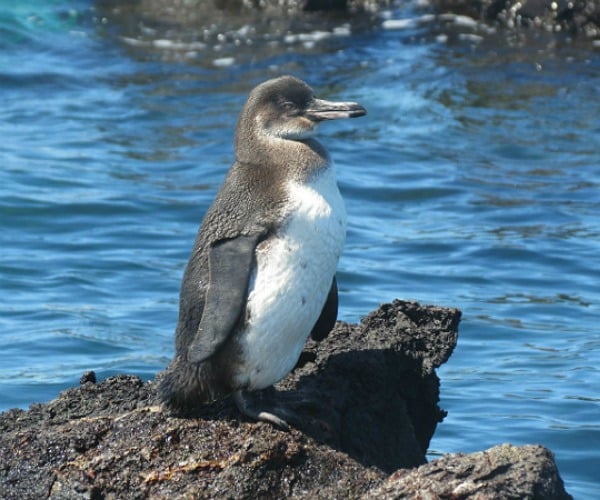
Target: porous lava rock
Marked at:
365, 402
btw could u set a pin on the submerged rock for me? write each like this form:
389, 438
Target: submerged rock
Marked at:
366, 401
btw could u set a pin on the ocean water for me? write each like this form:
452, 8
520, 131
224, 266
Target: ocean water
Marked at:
473, 182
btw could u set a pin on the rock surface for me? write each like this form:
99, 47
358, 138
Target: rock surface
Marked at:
273, 16
503, 471
366, 405
573, 17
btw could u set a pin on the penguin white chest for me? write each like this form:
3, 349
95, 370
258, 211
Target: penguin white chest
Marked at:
291, 281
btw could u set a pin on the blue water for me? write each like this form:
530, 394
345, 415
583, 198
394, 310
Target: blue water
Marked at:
473, 182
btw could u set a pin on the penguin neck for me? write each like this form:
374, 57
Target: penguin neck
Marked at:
301, 159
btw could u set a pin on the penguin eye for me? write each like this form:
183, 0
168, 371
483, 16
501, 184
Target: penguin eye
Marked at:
288, 105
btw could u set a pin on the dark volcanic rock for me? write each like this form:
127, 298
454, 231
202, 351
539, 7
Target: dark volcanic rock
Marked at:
379, 382
574, 17
503, 471
365, 401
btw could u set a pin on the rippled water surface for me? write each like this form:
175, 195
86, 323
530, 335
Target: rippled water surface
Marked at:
473, 182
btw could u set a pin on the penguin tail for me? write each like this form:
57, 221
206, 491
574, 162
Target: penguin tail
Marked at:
187, 386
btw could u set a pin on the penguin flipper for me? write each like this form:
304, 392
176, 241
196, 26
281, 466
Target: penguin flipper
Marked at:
328, 316
230, 265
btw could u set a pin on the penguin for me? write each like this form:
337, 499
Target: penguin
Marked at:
261, 275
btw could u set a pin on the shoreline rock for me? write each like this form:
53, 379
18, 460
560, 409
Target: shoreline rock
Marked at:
503, 471
367, 405
580, 17
201, 18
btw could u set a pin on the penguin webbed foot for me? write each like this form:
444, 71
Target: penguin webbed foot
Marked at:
246, 404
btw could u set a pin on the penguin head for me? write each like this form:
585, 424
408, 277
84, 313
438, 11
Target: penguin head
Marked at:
286, 108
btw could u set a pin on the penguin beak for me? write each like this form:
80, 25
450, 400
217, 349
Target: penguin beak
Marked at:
319, 110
